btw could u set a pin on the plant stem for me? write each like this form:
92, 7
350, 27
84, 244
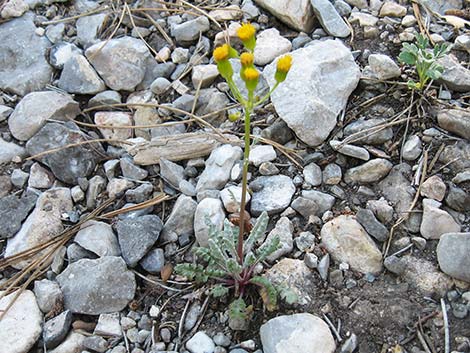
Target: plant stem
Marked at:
248, 109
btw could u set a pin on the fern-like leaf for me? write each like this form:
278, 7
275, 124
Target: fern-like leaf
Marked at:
257, 232
268, 292
237, 310
268, 248
219, 291
192, 272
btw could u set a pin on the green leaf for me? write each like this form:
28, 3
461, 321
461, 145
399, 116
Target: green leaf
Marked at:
289, 296
268, 248
407, 58
192, 271
257, 232
412, 84
219, 291
268, 292
234, 267
434, 74
237, 310
250, 259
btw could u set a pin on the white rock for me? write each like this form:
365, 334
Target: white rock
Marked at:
204, 75
436, 221
383, 66
262, 153
297, 333
72, 344
312, 174
412, 148
200, 343
20, 328
269, 45
208, 209
108, 325
40, 177
99, 238
9, 150
228, 13
231, 198
114, 119
297, 14
14, 8
317, 88
369, 172
408, 21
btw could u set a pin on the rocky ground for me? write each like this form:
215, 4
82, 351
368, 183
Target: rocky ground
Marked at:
115, 145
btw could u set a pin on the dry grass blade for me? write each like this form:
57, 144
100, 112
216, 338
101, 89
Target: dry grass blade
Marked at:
156, 200
126, 127
73, 18
160, 29
137, 30
289, 153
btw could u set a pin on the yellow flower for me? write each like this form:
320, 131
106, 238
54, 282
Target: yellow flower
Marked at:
221, 53
247, 59
284, 64
246, 32
251, 74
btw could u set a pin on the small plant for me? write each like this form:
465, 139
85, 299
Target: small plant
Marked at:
229, 259
424, 59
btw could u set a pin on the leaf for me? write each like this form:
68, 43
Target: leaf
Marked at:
434, 74
219, 291
268, 248
234, 267
289, 296
166, 272
257, 232
192, 271
412, 84
407, 58
237, 310
268, 292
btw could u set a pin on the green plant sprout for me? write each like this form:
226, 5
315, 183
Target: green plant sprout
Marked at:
229, 259
424, 59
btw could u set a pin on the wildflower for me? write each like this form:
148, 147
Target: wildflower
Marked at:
221, 53
283, 66
247, 59
250, 75
246, 33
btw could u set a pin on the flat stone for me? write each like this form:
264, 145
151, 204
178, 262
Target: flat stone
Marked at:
392, 9
332, 174
455, 121
218, 167
229, 13
40, 177
190, 31
364, 19
456, 156
13, 211
20, 327
33, 111
42, 224
121, 63
269, 45
440, 6
412, 148
262, 153
98, 286
329, 18
297, 14
154, 261
99, 238
105, 98
433, 188
48, 295
181, 219
436, 221
272, 194
171, 172
350, 150
23, 64
326, 64
137, 236
211, 210
369, 172
383, 66
461, 177
364, 133
305, 207
62, 52
67, 164
231, 198
458, 199
283, 230
108, 325
323, 200
295, 333
72, 344
78, 76
455, 76
452, 254
200, 343
10, 150
89, 27
203, 75
118, 119
131, 171
347, 241
373, 227
56, 329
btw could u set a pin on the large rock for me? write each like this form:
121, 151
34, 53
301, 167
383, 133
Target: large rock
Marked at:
456, 121
20, 328
456, 156
455, 76
317, 88
137, 236
99, 238
453, 255
369, 172
98, 286
296, 333
436, 221
330, 19
272, 194
23, 65
78, 76
36, 108
13, 210
181, 219
120, 62
297, 14
347, 241
269, 45
9, 150
42, 224
67, 164
208, 210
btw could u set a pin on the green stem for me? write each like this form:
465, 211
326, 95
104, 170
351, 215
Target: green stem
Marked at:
248, 110
262, 100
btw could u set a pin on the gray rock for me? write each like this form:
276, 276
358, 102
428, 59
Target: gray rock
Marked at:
20, 326
95, 343
304, 241
68, 164
350, 344
137, 236
48, 294
433, 188
154, 261
5, 112
14, 8
23, 65
436, 221
55, 33
78, 76
278, 131
41, 225
364, 133
332, 174
456, 156
350, 150
326, 64
305, 207
98, 286
13, 211
272, 194
372, 226
72, 344
19, 178
108, 325
36, 108
311, 260
171, 172
262, 153
105, 98
347, 241
56, 329
455, 121
459, 178
155, 70
131, 171
10, 150
99, 238
231, 198
88, 28
458, 199
203, 75
412, 148
383, 67
369, 172
160, 85
40, 177
210, 210
218, 167
121, 62
95, 187
323, 267
295, 333
297, 14
312, 174
455, 76
283, 230
395, 265
181, 219
329, 18
440, 6
324, 201
269, 45
200, 343
62, 52
452, 254
189, 31
392, 9
140, 193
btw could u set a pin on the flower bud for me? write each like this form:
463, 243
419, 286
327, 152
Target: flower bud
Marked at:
246, 33
247, 59
283, 66
251, 76
221, 55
